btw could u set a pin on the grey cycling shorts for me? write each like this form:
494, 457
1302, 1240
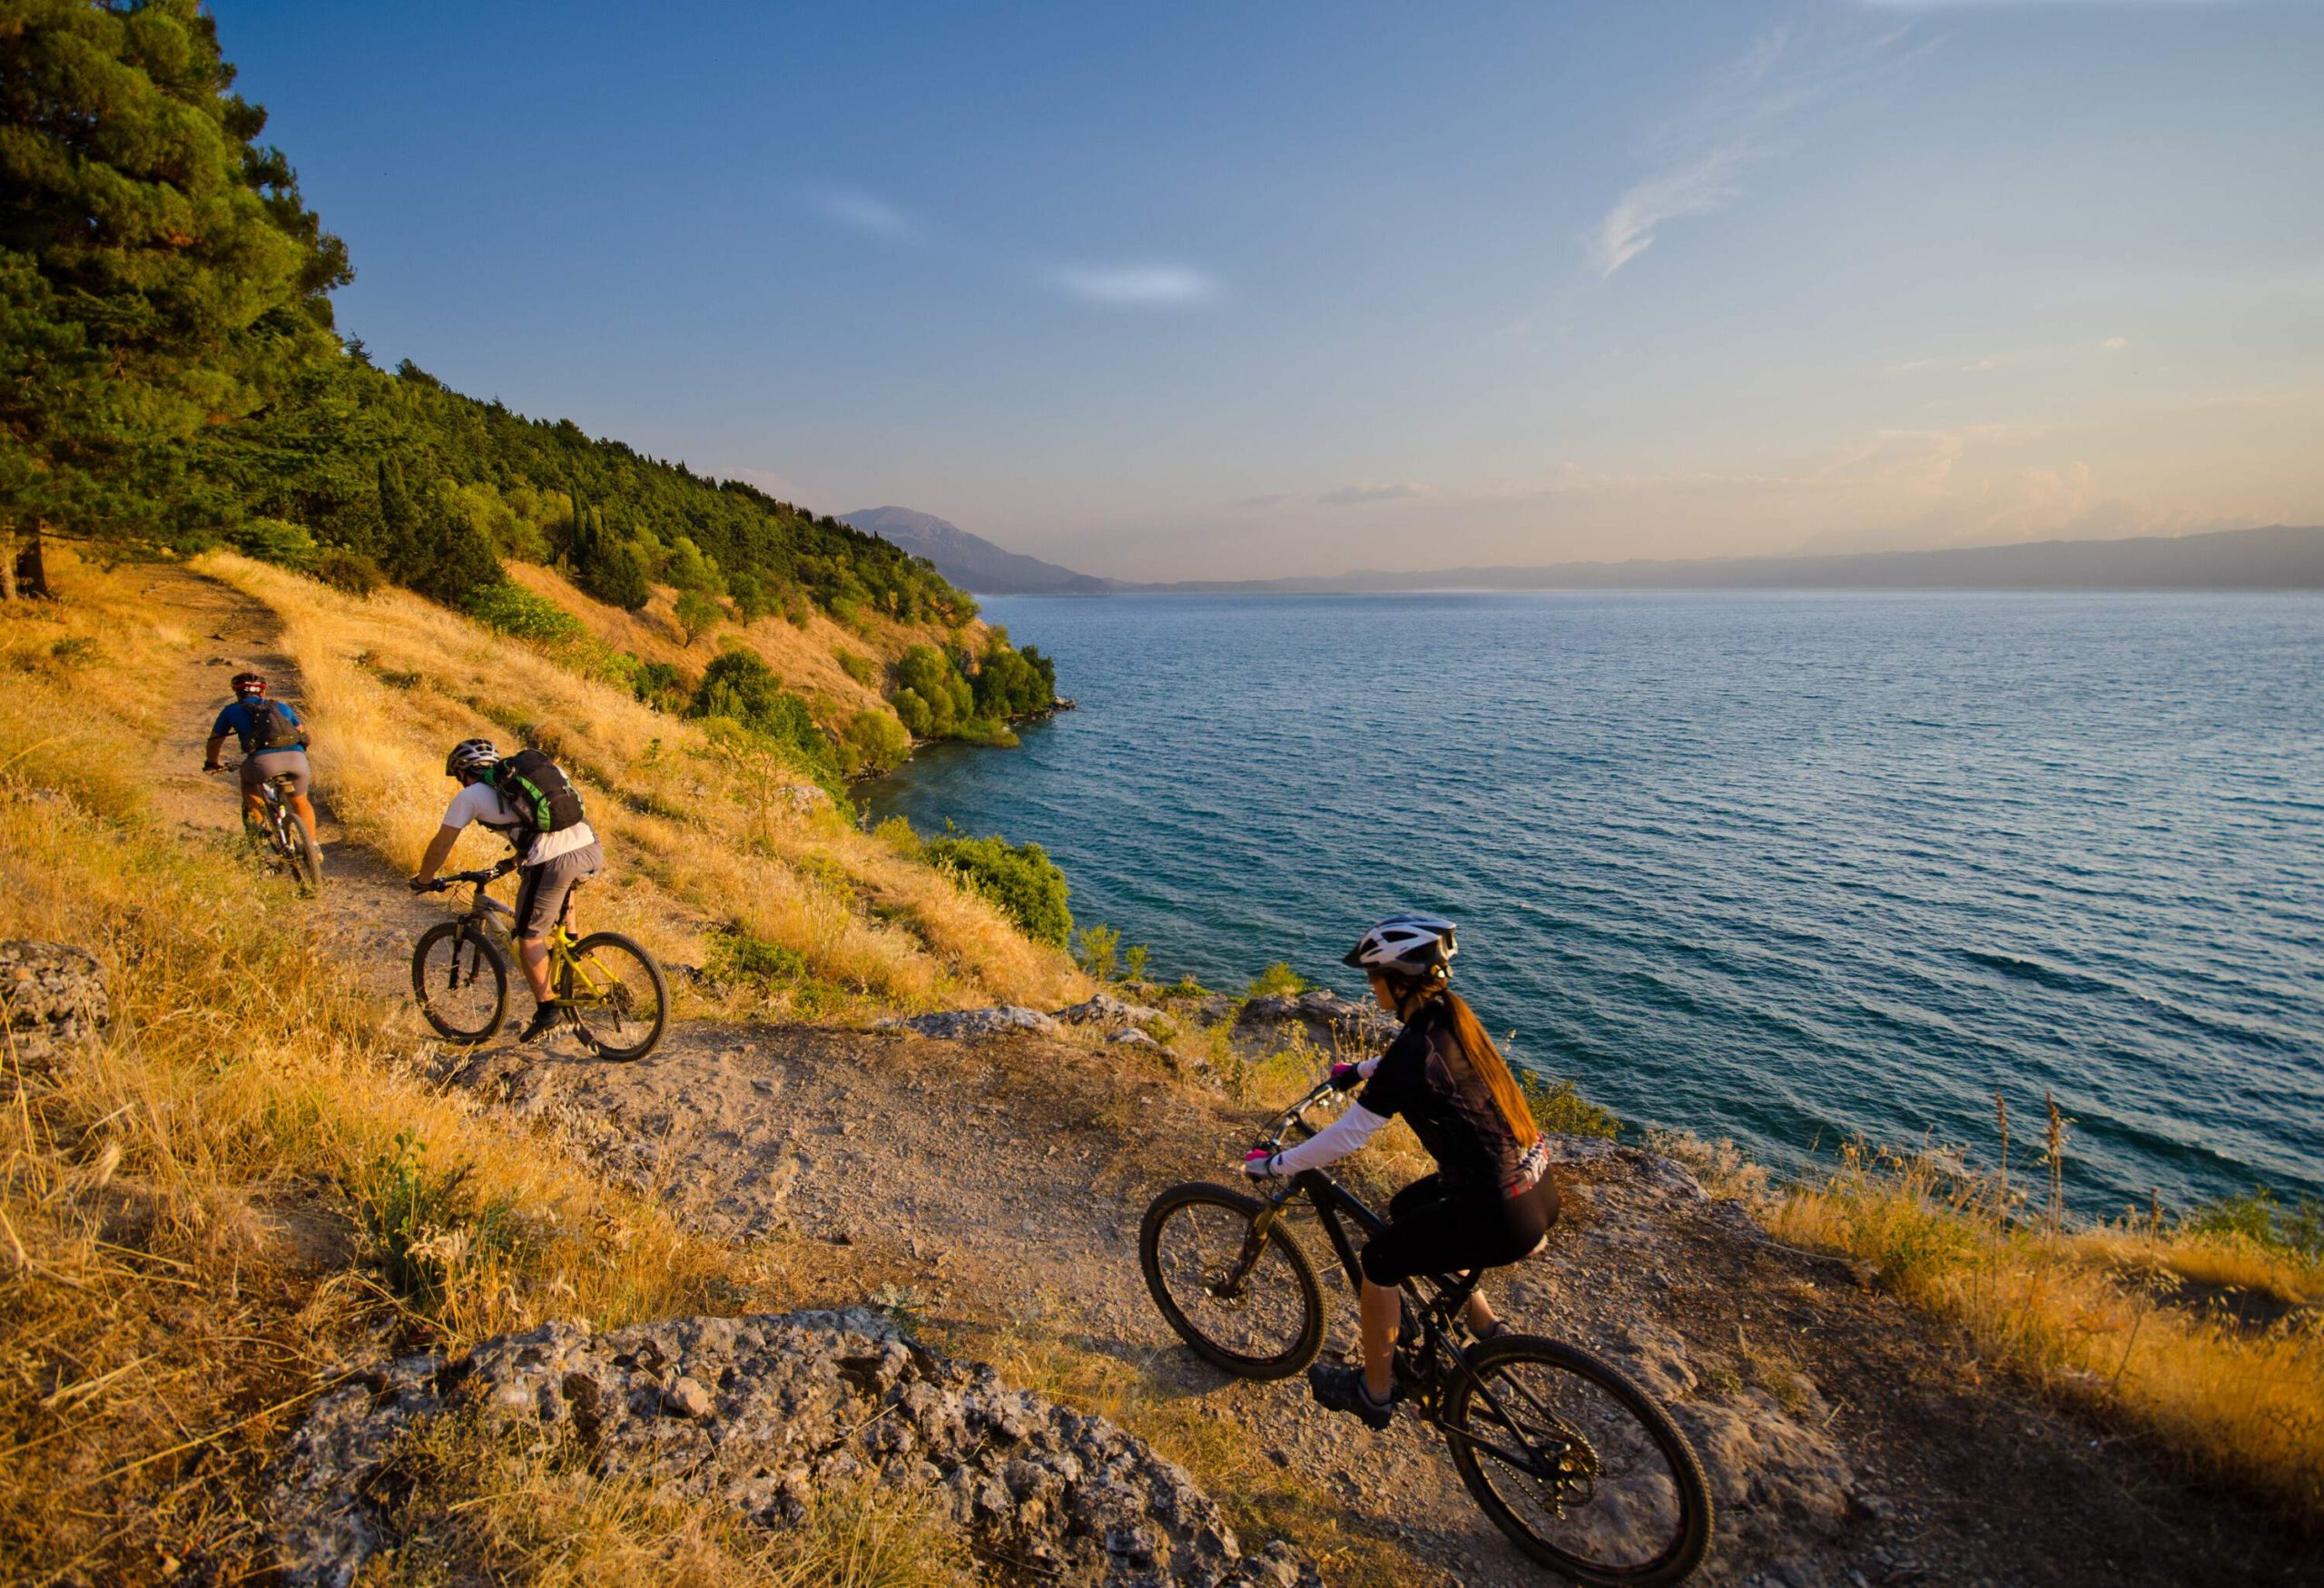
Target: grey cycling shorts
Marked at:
257, 769
542, 889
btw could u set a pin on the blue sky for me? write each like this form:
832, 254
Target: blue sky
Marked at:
1232, 290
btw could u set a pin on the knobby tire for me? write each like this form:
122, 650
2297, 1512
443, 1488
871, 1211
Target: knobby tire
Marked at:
1280, 1263
1466, 1410
623, 1033
473, 954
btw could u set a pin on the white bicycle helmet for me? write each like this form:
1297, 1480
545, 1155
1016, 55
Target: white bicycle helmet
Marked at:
470, 755
1407, 946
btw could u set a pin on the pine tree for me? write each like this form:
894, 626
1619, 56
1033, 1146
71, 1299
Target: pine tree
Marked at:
157, 268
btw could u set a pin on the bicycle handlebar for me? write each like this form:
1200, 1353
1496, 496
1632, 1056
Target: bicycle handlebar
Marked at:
1295, 1117
453, 879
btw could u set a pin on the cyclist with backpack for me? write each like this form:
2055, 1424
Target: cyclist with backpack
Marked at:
1491, 1200
527, 800
274, 745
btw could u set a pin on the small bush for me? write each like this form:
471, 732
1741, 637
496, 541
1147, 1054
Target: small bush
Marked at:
512, 610
2257, 1217
275, 541
347, 570
741, 688
1277, 981
860, 667
897, 834
1096, 949
1020, 879
423, 1224
697, 614
872, 743
737, 956
661, 685
1560, 1109
985, 730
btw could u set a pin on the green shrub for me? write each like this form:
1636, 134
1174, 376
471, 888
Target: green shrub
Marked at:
872, 743
661, 685
1096, 950
1560, 1109
697, 614
424, 1226
985, 730
2257, 1217
275, 541
737, 956
897, 834
1020, 879
860, 667
617, 576
1011, 683
512, 610
1277, 981
739, 686
349, 571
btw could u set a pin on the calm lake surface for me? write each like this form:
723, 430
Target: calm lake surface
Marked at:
1783, 867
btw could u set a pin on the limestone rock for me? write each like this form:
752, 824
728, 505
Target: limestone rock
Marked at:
1105, 1010
51, 994
977, 1022
1329, 1019
802, 1399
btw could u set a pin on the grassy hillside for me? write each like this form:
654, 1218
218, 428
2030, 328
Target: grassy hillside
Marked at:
241, 1188
724, 852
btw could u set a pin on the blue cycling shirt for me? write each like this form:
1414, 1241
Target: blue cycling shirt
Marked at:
236, 720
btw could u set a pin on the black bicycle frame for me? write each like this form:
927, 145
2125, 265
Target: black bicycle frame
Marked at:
1434, 1314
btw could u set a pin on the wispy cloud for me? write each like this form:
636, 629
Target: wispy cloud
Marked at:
1739, 119
866, 214
1365, 491
2114, 344
1137, 285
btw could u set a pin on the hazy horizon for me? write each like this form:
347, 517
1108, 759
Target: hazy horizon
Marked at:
1224, 293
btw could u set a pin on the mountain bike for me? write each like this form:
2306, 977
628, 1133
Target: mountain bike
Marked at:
1579, 1467
280, 831
611, 991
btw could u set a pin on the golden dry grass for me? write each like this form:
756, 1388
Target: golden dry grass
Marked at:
806, 659
242, 1185
701, 834
2095, 1314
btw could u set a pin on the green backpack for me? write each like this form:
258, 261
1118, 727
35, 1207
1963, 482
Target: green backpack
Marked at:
536, 789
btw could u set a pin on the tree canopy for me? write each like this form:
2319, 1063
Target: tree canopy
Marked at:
158, 270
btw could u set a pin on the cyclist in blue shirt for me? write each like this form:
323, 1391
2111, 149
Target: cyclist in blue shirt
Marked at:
274, 745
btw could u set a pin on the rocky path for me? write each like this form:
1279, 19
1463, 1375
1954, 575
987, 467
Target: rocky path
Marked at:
996, 1185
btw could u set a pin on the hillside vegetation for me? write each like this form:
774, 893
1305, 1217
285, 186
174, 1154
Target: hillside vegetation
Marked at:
205, 1216
724, 852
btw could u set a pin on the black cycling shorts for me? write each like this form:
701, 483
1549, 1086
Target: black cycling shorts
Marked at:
1432, 1230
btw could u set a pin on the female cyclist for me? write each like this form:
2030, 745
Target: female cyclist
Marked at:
1491, 1200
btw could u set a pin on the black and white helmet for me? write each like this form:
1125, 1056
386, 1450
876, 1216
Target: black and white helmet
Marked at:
1406, 945
470, 755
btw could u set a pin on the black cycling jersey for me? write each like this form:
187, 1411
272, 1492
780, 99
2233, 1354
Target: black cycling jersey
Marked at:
1426, 1078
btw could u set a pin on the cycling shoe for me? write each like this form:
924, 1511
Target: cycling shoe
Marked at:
1342, 1390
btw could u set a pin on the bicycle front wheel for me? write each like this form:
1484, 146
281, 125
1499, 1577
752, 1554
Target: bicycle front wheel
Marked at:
461, 980
1245, 1302
1577, 1465
618, 999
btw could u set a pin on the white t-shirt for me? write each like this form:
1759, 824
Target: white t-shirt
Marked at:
480, 802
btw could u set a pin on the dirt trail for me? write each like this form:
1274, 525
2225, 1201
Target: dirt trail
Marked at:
1000, 1181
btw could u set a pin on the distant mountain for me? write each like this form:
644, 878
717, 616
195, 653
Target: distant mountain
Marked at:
2276, 559
970, 561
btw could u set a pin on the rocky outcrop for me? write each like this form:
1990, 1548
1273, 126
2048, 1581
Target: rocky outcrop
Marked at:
1105, 1010
1331, 1022
52, 995
764, 1413
977, 1022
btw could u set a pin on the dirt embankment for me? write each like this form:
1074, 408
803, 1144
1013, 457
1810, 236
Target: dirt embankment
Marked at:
991, 1190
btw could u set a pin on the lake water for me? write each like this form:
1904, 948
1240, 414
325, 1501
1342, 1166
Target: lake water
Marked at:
1783, 867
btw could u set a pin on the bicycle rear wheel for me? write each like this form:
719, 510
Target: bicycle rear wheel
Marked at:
1581, 1469
461, 980
617, 997
1249, 1305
